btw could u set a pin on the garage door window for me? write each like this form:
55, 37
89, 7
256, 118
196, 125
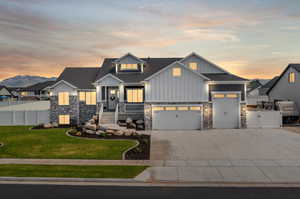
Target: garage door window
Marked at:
232, 95
183, 108
218, 95
195, 108
158, 108
171, 108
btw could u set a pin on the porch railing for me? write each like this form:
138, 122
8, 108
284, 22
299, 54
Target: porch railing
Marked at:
100, 113
134, 108
117, 114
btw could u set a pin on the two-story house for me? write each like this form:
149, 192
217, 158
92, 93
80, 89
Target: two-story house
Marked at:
168, 93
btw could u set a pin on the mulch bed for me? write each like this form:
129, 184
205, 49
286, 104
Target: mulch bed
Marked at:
141, 152
59, 127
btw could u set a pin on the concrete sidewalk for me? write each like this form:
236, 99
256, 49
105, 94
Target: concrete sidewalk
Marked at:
75, 162
224, 171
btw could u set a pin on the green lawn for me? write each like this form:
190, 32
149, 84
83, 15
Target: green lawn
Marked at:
20, 142
66, 171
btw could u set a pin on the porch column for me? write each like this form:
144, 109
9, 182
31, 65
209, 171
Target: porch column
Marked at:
121, 91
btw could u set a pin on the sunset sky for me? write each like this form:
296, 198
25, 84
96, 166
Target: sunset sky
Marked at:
253, 38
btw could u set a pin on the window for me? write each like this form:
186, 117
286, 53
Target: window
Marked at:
232, 95
218, 95
64, 119
176, 72
292, 77
63, 98
183, 108
135, 95
129, 67
170, 108
158, 108
193, 65
195, 108
90, 98
81, 96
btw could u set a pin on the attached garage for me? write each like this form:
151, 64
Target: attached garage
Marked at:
177, 117
226, 110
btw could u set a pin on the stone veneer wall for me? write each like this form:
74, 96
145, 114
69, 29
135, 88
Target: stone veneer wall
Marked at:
207, 116
72, 109
243, 115
148, 116
86, 112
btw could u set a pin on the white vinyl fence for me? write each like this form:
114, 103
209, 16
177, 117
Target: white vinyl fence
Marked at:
25, 117
264, 119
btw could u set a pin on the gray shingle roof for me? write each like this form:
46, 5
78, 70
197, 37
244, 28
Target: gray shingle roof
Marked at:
83, 78
223, 77
38, 86
80, 77
153, 65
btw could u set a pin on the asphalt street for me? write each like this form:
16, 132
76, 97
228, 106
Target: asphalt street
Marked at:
20, 191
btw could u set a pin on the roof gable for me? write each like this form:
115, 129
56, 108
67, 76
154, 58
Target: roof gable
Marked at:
294, 66
128, 55
174, 64
109, 79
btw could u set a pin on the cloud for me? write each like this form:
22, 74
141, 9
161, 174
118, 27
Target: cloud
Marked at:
211, 35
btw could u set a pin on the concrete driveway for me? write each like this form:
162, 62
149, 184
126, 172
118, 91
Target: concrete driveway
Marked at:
225, 156
225, 144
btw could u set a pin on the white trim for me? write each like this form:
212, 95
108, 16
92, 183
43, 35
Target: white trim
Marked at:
172, 64
65, 82
110, 75
177, 105
195, 54
128, 54
227, 82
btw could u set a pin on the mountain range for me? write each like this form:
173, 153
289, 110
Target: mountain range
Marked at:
24, 80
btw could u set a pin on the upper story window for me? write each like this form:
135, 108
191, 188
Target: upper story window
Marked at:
129, 67
63, 98
88, 97
292, 77
176, 72
135, 95
193, 65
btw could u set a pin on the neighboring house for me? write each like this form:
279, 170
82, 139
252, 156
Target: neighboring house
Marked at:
38, 91
5, 94
287, 86
168, 93
257, 91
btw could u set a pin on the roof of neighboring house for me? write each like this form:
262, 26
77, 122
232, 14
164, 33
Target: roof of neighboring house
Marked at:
223, 77
39, 86
80, 77
295, 66
2, 87
264, 89
83, 78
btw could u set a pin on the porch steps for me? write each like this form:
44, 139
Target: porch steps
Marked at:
107, 118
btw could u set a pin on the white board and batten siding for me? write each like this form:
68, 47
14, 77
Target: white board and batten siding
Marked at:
25, 117
63, 87
264, 119
163, 87
203, 65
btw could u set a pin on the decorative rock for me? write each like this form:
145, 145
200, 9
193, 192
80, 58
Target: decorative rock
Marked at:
140, 127
90, 132
54, 124
91, 126
78, 133
110, 131
129, 132
119, 133
139, 122
95, 117
131, 125
100, 133
128, 120
92, 121
47, 126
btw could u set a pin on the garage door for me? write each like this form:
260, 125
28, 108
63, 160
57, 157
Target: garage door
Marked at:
176, 117
225, 110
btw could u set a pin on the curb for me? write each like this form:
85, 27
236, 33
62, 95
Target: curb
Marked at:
44, 179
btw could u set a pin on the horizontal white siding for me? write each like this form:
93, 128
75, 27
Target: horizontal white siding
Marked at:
189, 87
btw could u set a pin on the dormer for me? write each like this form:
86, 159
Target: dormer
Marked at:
128, 64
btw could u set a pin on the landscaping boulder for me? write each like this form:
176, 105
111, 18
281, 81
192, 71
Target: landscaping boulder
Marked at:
131, 126
92, 121
47, 126
95, 117
140, 127
101, 133
54, 124
139, 122
129, 132
91, 126
90, 132
128, 120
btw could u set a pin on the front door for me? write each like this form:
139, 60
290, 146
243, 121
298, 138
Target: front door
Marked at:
113, 99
